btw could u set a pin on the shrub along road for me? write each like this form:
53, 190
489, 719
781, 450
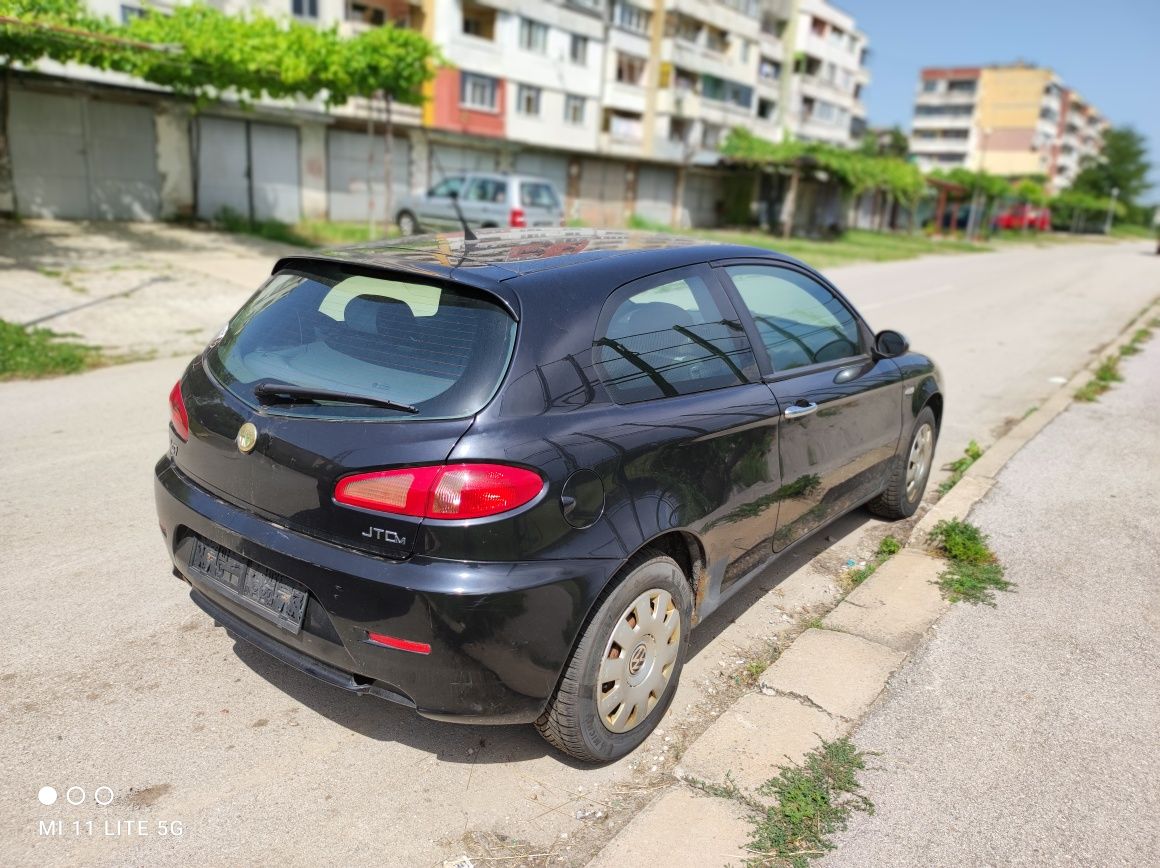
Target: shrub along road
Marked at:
114, 678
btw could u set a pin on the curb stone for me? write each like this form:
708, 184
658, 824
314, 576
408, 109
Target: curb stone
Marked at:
828, 678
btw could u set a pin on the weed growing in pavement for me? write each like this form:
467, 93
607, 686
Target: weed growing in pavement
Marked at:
1107, 373
34, 352
886, 549
812, 801
973, 573
958, 467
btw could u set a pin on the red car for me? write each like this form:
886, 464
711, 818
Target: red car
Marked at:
1024, 217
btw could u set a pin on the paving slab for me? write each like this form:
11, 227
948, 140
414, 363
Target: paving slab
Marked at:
754, 737
681, 829
840, 673
896, 605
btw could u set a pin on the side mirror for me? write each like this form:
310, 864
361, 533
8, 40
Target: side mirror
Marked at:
889, 344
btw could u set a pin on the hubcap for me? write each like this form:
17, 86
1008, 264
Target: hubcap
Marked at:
918, 464
638, 661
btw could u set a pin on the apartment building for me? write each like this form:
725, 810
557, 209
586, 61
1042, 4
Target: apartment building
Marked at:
624, 104
1017, 121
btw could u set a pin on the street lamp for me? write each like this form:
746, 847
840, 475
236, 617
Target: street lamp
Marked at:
1111, 208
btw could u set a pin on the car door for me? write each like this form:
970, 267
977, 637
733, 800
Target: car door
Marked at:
697, 426
841, 407
485, 201
436, 210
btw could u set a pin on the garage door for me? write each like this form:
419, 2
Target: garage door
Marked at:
349, 158
655, 189
249, 168
82, 158
450, 159
702, 199
602, 187
554, 167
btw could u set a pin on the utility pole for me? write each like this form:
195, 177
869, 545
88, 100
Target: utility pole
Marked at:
1111, 210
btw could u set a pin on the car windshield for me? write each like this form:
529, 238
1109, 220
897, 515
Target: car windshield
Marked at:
439, 350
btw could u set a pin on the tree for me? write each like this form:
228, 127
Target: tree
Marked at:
885, 143
1121, 165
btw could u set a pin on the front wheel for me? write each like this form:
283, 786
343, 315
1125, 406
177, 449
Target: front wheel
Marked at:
909, 471
626, 666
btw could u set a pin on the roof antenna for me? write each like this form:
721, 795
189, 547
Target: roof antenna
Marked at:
468, 235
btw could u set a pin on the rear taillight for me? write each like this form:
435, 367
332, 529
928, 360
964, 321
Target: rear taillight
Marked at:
442, 491
177, 415
518, 220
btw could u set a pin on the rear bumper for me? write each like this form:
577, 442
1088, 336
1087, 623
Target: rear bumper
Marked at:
500, 633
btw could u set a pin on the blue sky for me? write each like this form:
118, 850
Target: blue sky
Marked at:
1108, 51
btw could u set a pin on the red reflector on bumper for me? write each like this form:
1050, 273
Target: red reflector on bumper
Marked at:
400, 644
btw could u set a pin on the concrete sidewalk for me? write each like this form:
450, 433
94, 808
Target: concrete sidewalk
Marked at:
1027, 734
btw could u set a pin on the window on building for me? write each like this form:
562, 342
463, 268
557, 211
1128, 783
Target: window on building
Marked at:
578, 51
679, 129
685, 28
304, 8
711, 136
745, 46
574, 108
624, 126
769, 70
766, 109
630, 68
478, 92
966, 85
528, 100
478, 20
837, 37
533, 36
666, 337
128, 13
631, 17
717, 40
929, 85
800, 322
824, 111
817, 27
684, 81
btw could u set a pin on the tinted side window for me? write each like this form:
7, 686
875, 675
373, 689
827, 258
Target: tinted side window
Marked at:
800, 321
487, 190
670, 339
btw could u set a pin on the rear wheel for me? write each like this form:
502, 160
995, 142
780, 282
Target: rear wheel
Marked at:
408, 225
910, 471
626, 666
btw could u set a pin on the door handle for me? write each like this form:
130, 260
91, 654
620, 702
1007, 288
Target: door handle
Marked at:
797, 411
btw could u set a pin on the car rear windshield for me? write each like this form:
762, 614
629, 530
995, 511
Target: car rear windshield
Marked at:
441, 349
537, 194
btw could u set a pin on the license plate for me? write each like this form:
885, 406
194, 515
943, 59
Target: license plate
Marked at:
258, 589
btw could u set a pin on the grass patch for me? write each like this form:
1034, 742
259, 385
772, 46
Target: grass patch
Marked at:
973, 573
959, 466
1132, 230
886, 549
812, 802
1140, 336
305, 233
26, 353
854, 245
1107, 373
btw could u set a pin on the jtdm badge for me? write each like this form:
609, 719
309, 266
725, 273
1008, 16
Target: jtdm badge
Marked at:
247, 437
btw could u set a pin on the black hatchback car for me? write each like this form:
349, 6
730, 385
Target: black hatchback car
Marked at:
500, 480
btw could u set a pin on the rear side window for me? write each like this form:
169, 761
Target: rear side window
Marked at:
537, 194
670, 338
800, 321
441, 349
487, 190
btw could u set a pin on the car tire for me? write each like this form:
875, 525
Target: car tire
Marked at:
901, 498
651, 609
408, 225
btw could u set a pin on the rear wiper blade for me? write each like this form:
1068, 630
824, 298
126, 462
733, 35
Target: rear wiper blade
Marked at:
283, 393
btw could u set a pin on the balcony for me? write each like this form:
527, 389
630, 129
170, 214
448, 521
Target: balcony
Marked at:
360, 16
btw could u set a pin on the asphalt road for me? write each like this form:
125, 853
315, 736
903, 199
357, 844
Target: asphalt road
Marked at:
109, 676
1027, 734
